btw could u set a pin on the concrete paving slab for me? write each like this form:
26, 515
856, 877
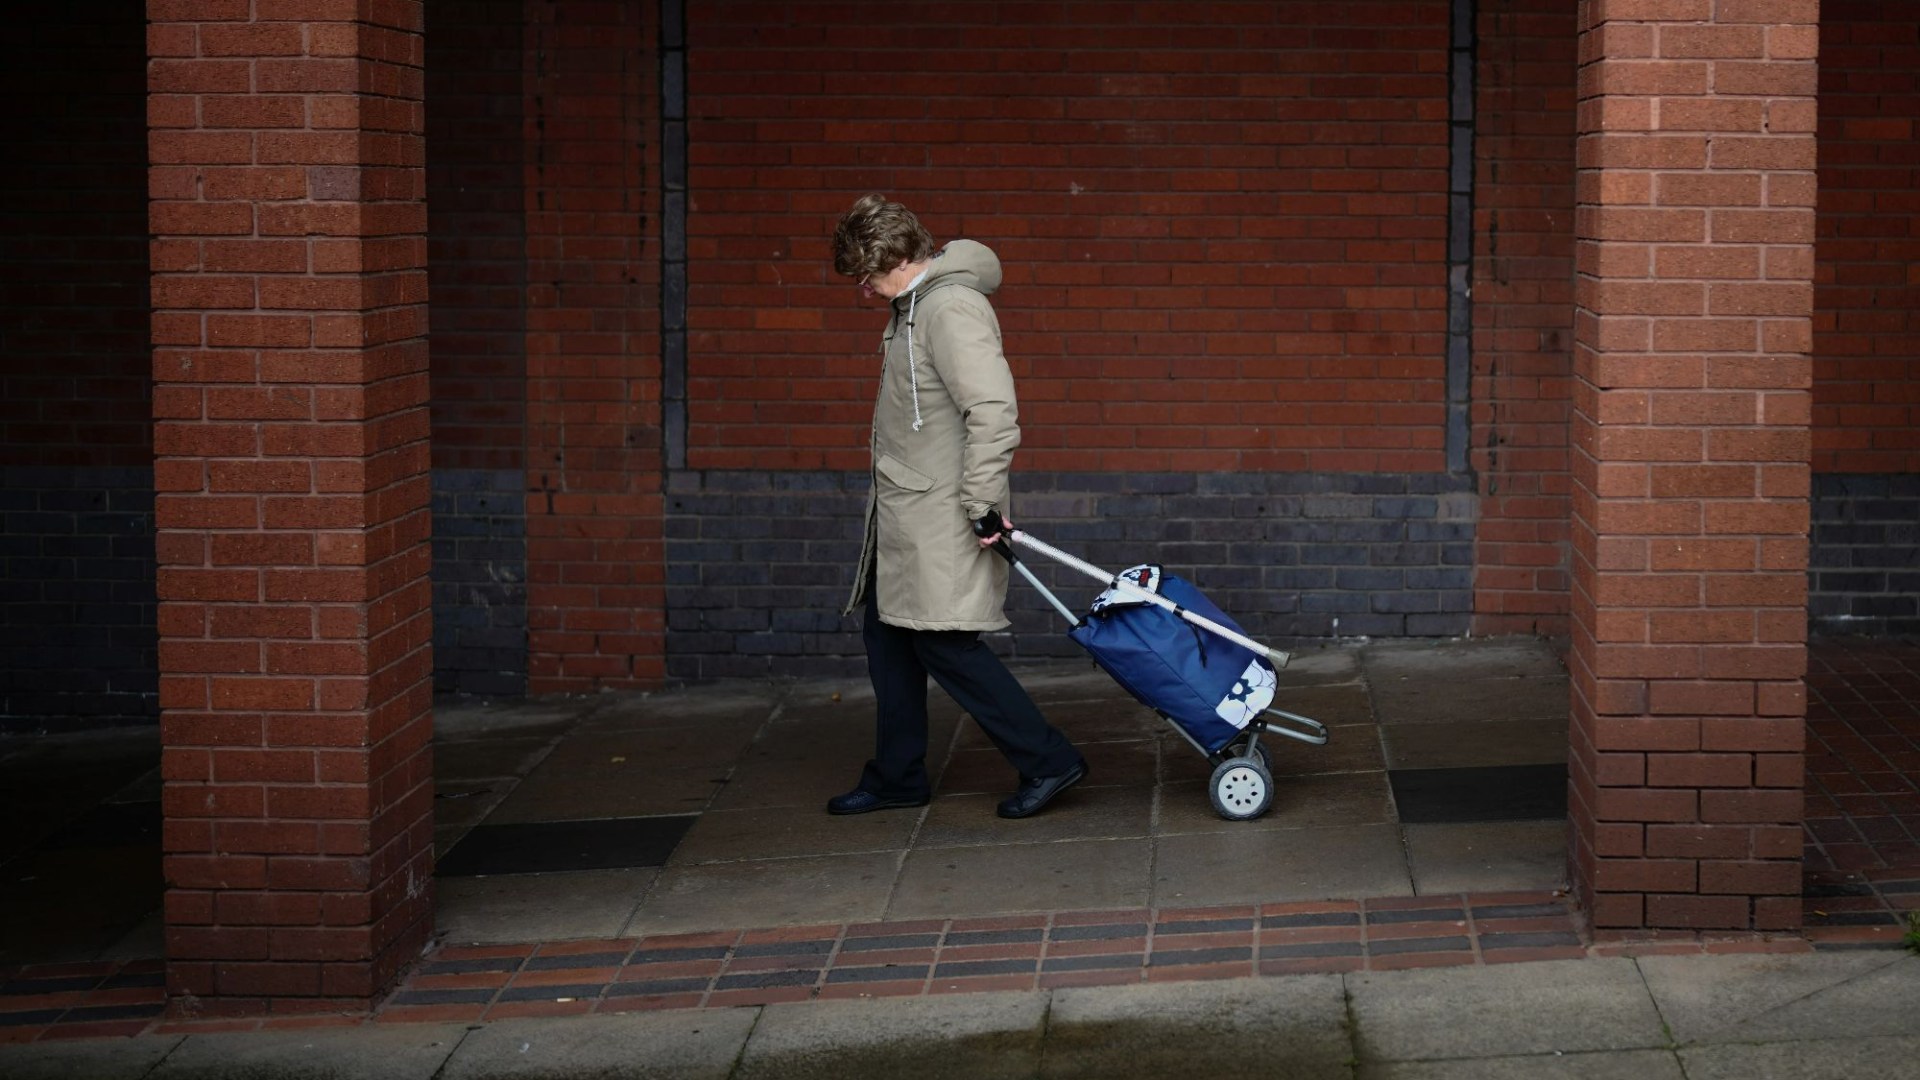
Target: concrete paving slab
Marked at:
1771, 998
679, 1045
60, 905
1114, 718
836, 720
1490, 856
1088, 812
1469, 743
48, 780
1506, 1009
538, 907
147, 787
1079, 874
1598, 1065
86, 1059
368, 1052
828, 691
768, 892
1330, 703
1361, 798
829, 738
1113, 714
705, 706
445, 837
1318, 662
626, 774
464, 804
466, 718
1255, 866
814, 704
976, 771
1135, 762
1131, 763
1064, 680
462, 760
1426, 701
1350, 748
147, 939
961, 1036
780, 832
1481, 658
767, 786
804, 763
1890, 1057
1273, 1029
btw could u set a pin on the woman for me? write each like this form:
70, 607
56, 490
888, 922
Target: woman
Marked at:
944, 431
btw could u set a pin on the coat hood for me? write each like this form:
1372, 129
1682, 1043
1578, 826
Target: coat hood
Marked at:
961, 262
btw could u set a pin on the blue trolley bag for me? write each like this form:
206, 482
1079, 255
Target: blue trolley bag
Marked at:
1210, 686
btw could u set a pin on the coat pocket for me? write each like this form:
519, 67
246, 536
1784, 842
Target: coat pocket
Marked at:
902, 475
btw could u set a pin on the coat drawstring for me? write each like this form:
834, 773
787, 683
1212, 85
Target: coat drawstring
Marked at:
913, 371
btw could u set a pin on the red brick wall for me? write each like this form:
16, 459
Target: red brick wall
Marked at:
591, 180
1867, 298
1523, 312
73, 239
1223, 225
477, 268
477, 248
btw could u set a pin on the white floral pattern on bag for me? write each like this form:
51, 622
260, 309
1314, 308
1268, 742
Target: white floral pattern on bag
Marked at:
1251, 693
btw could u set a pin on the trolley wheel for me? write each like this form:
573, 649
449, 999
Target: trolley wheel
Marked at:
1241, 789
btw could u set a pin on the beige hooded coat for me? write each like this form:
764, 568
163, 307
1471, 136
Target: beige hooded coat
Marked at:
944, 429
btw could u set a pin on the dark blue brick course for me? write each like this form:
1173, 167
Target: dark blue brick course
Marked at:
77, 599
758, 564
1866, 540
479, 582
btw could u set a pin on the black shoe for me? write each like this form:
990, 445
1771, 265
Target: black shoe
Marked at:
1038, 792
861, 802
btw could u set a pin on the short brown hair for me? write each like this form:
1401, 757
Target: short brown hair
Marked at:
876, 236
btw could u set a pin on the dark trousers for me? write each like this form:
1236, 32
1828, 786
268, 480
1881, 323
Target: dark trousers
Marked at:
899, 661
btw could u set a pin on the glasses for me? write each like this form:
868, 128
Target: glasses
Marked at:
881, 272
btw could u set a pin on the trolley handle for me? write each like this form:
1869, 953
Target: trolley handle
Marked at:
990, 523
1127, 588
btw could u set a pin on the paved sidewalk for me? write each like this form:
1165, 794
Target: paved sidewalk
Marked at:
731, 913
730, 779
1844, 1016
744, 771
936, 957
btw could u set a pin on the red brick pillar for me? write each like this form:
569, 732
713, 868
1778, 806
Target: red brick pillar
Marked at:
290, 392
1693, 301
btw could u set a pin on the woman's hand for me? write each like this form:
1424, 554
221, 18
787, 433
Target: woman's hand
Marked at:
1006, 525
